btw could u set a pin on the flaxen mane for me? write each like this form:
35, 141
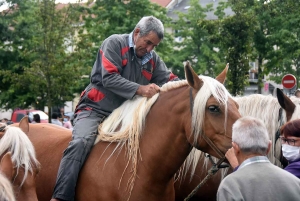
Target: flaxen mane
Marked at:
125, 125
16, 141
266, 108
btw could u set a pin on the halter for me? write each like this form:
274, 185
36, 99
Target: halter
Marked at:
216, 166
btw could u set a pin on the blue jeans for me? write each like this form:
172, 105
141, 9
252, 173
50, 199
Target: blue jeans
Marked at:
83, 137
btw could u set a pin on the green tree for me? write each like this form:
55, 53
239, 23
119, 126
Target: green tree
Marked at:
284, 37
235, 39
46, 72
198, 44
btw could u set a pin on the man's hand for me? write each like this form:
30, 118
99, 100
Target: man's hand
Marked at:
230, 155
148, 90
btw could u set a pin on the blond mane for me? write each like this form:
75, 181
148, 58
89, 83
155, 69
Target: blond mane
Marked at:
125, 125
23, 154
266, 108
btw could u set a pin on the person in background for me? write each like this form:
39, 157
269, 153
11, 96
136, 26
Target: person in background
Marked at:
126, 65
297, 93
6, 121
256, 178
36, 119
290, 140
61, 114
67, 122
55, 119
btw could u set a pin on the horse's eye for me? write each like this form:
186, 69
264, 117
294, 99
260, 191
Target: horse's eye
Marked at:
214, 109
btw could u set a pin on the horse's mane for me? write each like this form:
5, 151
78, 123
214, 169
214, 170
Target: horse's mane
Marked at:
125, 124
296, 101
266, 108
23, 154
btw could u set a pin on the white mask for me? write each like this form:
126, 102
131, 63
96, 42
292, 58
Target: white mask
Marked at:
291, 153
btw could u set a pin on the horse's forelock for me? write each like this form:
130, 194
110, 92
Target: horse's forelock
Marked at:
211, 87
23, 153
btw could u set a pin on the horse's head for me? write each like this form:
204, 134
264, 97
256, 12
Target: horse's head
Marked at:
20, 165
213, 113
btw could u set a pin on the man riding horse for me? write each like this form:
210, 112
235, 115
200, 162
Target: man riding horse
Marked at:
125, 66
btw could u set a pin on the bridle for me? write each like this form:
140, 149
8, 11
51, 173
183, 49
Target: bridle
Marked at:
216, 166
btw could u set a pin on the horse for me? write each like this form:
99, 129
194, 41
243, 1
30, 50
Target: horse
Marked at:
144, 142
265, 107
25, 165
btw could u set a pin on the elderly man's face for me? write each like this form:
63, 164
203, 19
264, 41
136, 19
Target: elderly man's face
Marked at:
145, 44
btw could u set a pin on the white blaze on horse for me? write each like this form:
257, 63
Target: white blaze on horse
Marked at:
143, 143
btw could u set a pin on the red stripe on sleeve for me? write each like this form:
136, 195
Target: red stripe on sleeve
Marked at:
172, 76
124, 50
111, 68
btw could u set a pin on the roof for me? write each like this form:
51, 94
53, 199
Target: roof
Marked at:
184, 5
162, 3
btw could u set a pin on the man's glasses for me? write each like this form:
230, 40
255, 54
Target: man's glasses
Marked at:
289, 141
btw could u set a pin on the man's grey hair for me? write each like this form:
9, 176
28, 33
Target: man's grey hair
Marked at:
148, 24
251, 135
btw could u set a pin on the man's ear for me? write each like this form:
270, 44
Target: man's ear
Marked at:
269, 147
236, 148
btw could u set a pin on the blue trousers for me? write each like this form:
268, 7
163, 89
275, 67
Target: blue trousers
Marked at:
83, 137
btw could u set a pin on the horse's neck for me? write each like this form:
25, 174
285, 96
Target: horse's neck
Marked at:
164, 145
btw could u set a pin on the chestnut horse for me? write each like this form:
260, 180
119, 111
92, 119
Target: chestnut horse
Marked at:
267, 108
143, 143
25, 165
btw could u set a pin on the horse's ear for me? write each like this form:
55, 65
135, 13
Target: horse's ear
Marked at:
286, 103
6, 166
24, 124
192, 78
222, 76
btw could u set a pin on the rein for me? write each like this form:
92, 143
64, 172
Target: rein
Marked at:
216, 166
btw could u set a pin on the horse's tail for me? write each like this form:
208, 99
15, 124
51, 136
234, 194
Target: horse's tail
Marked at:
23, 154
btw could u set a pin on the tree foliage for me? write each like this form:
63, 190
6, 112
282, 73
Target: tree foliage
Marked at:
198, 42
42, 72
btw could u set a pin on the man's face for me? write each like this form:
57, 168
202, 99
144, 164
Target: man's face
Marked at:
145, 43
